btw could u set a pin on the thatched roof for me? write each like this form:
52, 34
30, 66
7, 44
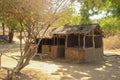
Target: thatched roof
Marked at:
75, 29
68, 29
48, 33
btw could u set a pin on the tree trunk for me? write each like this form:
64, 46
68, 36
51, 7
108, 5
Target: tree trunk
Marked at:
29, 53
21, 43
11, 34
3, 26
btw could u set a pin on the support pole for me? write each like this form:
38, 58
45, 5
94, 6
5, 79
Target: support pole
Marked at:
66, 41
84, 40
93, 39
53, 40
8, 74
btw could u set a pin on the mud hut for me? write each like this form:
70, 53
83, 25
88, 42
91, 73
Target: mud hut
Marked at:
78, 42
46, 42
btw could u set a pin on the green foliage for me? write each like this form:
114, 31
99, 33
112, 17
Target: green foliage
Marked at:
69, 19
70, 16
1, 18
14, 24
115, 8
89, 8
11, 23
110, 25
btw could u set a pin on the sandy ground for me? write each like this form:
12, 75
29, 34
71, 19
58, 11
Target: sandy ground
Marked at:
109, 69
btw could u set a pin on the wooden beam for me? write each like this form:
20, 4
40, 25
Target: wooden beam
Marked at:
94, 35
66, 41
84, 40
93, 39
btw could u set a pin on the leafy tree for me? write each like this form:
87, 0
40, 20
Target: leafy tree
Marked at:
111, 8
69, 16
114, 8
12, 25
110, 25
89, 8
34, 16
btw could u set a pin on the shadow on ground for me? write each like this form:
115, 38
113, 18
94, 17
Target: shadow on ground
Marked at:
109, 69
9, 47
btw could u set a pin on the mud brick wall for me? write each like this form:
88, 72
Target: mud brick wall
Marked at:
57, 51
46, 49
54, 51
93, 54
74, 54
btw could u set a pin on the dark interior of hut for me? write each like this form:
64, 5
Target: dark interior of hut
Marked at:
98, 42
56, 41
77, 41
47, 41
44, 42
60, 41
72, 41
88, 42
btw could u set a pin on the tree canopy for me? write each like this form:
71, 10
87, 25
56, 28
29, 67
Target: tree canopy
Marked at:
30, 16
110, 8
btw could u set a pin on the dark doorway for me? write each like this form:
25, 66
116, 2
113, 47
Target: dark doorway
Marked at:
61, 47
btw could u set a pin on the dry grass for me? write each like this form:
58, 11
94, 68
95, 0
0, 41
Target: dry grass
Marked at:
112, 42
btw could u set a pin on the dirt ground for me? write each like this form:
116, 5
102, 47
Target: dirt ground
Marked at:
108, 69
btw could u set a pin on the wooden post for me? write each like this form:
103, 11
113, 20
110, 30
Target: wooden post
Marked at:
79, 40
53, 40
84, 40
93, 39
8, 74
66, 41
